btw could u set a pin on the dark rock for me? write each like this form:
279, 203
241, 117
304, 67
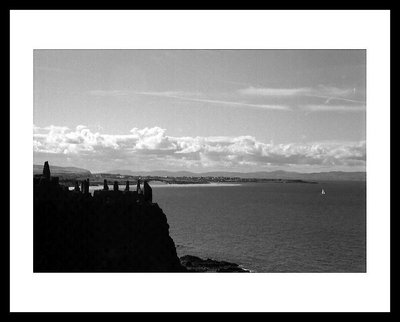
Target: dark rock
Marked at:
196, 264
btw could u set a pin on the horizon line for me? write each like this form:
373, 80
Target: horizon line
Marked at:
210, 171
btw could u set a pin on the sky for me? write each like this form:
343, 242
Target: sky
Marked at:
200, 110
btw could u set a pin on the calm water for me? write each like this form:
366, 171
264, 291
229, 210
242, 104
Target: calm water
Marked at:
270, 227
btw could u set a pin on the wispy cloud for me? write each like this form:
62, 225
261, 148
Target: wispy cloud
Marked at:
334, 108
279, 99
328, 93
189, 96
259, 91
153, 147
213, 101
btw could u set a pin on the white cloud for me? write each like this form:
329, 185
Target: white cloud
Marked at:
153, 148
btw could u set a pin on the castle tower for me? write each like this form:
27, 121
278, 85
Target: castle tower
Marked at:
46, 171
82, 186
147, 192
76, 186
138, 187
116, 188
86, 185
105, 185
127, 186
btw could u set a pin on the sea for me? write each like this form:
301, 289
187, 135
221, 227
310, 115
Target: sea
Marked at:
270, 227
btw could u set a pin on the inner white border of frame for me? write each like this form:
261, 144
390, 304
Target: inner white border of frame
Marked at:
198, 30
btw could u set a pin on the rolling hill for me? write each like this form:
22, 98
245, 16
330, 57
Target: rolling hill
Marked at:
62, 171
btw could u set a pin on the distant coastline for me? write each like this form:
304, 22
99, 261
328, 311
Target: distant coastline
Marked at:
69, 174
96, 180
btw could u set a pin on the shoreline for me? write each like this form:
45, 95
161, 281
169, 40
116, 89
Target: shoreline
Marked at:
209, 184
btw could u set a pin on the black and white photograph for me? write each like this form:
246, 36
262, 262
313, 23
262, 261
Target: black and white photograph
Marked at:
199, 160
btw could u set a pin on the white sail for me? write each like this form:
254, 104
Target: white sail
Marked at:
322, 192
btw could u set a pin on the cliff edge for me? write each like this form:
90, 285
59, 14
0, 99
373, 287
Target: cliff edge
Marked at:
112, 231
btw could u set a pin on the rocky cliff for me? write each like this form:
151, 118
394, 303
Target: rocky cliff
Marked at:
111, 232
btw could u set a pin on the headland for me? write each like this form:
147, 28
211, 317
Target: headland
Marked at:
112, 230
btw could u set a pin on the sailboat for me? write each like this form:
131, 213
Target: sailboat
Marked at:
322, 192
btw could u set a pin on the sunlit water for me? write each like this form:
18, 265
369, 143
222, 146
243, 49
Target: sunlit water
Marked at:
270, 227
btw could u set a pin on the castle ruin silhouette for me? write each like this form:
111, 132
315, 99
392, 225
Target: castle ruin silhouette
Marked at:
144, 194
109, 231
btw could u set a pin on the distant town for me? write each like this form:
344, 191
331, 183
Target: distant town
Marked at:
98, 179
